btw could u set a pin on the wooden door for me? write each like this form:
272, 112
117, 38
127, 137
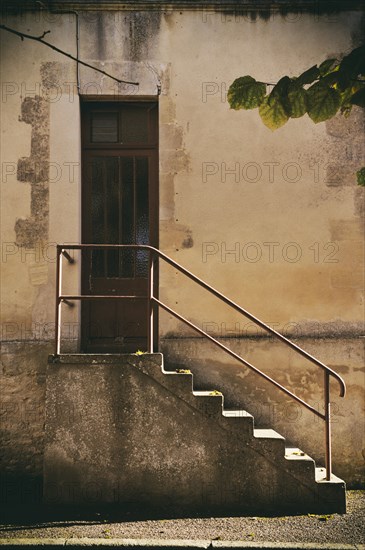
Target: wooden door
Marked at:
119, 206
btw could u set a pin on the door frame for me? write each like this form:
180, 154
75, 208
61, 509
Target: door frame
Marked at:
88, 150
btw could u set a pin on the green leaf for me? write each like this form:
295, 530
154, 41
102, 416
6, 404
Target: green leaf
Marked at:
273, 112
346, 95
280, 93
351, 66
246, 93
354, 62
297, 97
323, 102
361, 177
358, 98
281, 87
308, 76
331, 78
326, 66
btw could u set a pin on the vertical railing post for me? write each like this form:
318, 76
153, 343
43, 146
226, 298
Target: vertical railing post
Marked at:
150, 304
327, 412
58, 302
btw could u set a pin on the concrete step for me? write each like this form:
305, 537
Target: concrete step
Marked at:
293, 453
268, 442
210, 403
181, 383
237, 414
239, 422
267, 434
301, 465
320, 476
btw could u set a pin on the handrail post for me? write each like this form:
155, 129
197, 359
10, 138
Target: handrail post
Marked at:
150, 304
58, 302
327, 412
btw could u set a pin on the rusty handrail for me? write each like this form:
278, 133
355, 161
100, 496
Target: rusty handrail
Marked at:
151, 300
236, 356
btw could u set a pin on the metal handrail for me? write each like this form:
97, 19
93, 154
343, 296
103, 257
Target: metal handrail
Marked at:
152, 300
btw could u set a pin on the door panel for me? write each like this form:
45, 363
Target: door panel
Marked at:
119, 207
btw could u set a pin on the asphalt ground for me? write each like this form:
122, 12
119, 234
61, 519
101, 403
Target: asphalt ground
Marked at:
127, 529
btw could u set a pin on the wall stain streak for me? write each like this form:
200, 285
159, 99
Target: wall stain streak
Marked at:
173, 160
143, 28
35, 170
347, 148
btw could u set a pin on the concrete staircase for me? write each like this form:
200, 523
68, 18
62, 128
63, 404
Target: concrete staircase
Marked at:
144, 436
328, 496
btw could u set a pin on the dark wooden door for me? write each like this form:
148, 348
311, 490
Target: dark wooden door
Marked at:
119, 206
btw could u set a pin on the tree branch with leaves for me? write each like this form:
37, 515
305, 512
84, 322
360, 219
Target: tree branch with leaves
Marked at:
321, 92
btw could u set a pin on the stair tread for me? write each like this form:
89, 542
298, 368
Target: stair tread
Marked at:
174, 373
267, 434
206, 393
320, 474
293, 453
237, 414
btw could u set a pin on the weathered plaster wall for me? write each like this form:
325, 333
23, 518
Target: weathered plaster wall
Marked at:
274, 220
23, 389
40, 187
242, 215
